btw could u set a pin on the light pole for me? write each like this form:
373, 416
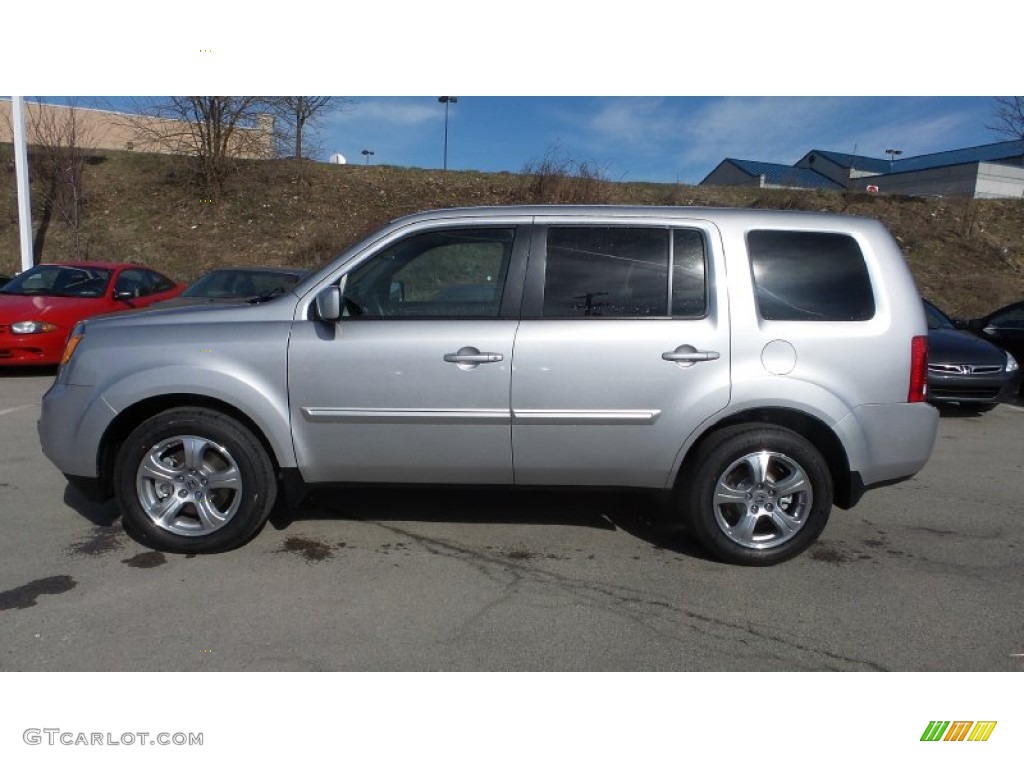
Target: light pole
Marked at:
367, 153
893, 154
447, 100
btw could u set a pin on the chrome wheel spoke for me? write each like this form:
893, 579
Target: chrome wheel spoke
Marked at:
797, 482
164, 512
743, 531
210, 517
727, 494
786, 524
154, 469
195, 448
758, 464
228, 478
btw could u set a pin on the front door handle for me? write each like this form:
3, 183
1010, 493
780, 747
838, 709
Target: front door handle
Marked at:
470, 357
686, 355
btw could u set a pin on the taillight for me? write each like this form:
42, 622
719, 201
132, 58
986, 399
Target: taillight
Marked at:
918, 369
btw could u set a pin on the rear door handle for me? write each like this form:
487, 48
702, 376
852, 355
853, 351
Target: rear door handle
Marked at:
471, 357
687, 355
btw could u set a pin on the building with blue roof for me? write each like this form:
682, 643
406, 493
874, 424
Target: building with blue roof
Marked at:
987, 171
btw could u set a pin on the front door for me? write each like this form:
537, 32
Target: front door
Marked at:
412, 384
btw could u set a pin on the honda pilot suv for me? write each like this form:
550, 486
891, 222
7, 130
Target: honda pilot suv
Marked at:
758, 366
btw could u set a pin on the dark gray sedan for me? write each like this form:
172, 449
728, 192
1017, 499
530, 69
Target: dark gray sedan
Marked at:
238, 284
964, 369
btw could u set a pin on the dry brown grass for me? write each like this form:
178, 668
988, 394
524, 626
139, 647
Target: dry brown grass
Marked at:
968, 256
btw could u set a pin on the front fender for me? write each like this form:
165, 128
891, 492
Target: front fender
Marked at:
264, 403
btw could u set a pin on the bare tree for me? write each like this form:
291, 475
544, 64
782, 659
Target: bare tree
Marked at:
1009, 116
297, 113
63, 147
215, 130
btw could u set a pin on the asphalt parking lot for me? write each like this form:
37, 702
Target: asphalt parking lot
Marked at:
926, 575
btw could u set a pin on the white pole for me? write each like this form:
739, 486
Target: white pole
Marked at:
21, 169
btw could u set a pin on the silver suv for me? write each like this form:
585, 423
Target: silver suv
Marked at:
760, 366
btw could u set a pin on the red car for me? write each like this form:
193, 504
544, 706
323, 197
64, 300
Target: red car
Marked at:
39, 307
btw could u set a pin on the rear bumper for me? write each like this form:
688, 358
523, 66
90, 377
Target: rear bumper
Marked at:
894, 441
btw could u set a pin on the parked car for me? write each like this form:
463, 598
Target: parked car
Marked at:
4, 280
1004, 327
39, 307
755, 366
237, 284
964, 369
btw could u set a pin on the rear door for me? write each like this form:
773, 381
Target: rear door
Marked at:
623, 350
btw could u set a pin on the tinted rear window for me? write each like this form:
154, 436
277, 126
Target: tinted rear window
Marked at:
809, 276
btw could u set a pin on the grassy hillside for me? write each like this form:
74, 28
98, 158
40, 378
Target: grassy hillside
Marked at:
968, 256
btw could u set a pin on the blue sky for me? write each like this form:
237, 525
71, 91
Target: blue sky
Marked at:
661, 139
664, 139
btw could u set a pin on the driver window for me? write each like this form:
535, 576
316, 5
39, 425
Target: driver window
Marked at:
442, 274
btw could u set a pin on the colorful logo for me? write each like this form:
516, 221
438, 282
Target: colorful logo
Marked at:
958, 730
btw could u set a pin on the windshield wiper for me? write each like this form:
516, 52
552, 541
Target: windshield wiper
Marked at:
269, 295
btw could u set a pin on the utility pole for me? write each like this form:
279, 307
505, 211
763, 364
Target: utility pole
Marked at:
447, 101
21, 171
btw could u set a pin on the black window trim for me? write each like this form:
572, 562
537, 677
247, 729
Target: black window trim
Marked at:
512, 291
533, 301
795, 230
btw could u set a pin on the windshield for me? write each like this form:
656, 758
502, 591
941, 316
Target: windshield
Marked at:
936, 320
232, 283
55, 280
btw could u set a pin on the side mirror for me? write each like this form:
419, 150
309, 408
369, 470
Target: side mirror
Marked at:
124, 295
328, 302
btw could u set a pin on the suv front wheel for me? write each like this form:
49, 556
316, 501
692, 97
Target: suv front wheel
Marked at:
193, 480
757, 494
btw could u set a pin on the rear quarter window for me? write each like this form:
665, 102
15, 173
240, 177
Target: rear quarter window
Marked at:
811, 276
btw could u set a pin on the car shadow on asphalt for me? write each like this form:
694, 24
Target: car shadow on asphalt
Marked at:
103, 515
638, 514
30, 371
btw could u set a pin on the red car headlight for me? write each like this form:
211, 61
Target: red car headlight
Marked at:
32, 326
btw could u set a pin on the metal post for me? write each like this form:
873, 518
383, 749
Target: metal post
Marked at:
446, 100
21, 170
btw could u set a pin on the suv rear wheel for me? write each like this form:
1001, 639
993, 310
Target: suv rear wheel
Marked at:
193, 480
757, 495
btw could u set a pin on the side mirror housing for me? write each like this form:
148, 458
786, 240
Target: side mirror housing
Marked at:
328, 304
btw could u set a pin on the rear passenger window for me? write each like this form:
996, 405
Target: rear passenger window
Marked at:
624, 272
818, 276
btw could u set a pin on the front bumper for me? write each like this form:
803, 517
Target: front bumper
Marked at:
71, 425
977, 389
31, 348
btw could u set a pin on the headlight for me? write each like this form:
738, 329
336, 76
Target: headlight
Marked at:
1011, 363
32, 326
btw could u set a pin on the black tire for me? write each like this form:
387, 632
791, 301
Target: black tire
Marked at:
193, 480
735, 499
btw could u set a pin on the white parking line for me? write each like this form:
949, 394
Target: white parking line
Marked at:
5, 411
